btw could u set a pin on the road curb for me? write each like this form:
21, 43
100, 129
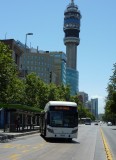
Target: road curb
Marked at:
7, 136
26, 133
108, 152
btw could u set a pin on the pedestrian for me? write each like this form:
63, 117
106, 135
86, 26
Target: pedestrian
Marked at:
17, 124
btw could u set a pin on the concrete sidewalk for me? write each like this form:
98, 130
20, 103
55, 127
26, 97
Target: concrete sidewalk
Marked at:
10, 135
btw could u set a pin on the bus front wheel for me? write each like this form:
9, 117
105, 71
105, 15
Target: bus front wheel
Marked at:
69, 139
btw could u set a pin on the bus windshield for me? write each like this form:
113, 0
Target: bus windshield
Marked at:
63, 119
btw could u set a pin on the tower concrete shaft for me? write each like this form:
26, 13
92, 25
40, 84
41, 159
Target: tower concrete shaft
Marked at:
71, 28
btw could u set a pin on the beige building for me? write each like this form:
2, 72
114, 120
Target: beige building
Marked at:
49, 66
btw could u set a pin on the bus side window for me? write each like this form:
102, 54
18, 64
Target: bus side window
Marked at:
76, 118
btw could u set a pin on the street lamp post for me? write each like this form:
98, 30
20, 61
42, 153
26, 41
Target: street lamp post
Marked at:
26, 50
26, 39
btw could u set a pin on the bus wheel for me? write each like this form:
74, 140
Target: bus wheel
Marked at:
44, 132
69, 139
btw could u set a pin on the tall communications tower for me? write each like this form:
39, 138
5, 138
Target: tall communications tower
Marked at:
71, 28
72, 18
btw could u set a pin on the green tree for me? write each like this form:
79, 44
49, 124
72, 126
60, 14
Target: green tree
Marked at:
17, 88
31, 90
111, 89
8, 75
53, 92
43, 93
63, 93
83, 111
110, 107
75, 99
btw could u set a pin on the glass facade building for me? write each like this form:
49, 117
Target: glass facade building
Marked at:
72, 78
94, 107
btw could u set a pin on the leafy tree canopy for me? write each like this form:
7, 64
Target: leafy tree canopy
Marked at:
8, 74
110, 107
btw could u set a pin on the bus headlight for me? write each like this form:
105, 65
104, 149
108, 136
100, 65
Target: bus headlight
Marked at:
50, 130
74, 131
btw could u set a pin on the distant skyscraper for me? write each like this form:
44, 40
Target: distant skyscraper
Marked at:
94, 107
71, 28
84, 97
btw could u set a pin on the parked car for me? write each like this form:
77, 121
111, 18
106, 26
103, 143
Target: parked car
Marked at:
96, 123
109, 124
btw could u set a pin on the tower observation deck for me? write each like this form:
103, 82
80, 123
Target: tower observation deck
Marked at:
71, 28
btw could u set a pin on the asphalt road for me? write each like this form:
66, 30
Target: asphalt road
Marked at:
110, 135
88, 146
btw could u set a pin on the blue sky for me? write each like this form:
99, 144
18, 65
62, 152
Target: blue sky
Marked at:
97, 49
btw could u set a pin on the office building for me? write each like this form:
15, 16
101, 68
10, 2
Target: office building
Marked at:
49, 66
94, 107
83, 97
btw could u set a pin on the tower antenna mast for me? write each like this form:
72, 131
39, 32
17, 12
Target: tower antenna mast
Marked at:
72, 1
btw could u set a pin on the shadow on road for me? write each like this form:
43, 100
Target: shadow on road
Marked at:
113, 128
5, 138
59, 140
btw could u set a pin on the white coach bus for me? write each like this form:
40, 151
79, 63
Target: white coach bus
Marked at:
59, 120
